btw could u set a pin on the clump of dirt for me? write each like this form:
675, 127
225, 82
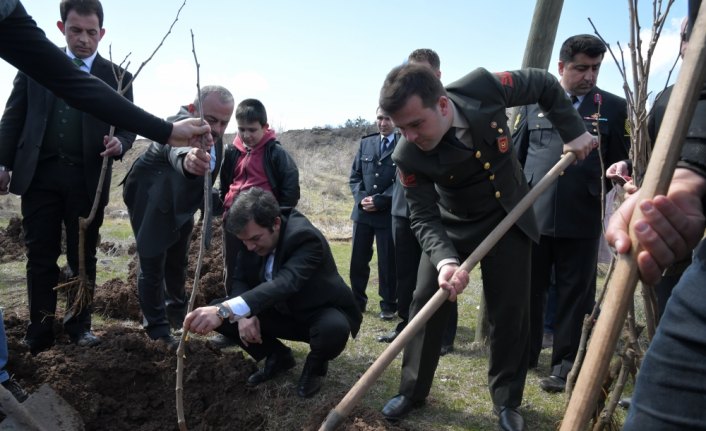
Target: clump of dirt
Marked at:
12, 244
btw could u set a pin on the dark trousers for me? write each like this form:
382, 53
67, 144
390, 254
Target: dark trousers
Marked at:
160, 286
407, 254
231, 247
326, 331
574, 261
670, 393
506, 272
362, 253
56, 196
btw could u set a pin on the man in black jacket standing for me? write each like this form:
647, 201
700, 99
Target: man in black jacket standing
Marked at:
162, 191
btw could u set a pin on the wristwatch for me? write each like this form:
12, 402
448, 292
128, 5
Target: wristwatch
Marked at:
224, 311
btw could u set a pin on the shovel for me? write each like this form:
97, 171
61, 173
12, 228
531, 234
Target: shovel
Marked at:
49, 412
339, 413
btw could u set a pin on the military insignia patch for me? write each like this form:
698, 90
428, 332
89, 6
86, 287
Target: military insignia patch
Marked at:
407, 180
505, 79
503, 144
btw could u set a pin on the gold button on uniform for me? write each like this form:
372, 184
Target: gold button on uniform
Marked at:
451, 177
497, 194
486, 166
478, 154
492, 177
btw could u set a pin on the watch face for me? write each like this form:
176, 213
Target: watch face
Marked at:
223, 311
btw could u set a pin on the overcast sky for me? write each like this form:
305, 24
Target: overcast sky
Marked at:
321, 62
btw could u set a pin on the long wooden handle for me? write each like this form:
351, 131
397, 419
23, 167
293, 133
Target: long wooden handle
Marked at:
621, 286
339, 413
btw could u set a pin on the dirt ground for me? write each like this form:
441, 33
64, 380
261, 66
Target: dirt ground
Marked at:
128, 381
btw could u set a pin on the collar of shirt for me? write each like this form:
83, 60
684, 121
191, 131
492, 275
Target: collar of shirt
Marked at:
578, 101
269, 264
87, 62
462, 127
390, 137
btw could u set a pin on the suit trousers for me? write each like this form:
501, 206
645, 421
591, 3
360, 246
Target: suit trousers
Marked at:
407, 255
56, 196
161, 285
362, 253
326, 331
506, 274
670, 392
574, 261
231, 247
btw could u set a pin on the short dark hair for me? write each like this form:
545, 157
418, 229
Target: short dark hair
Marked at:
82, 7
406, 81
224, 96
426, 55
251, 110
253, 204
581, 44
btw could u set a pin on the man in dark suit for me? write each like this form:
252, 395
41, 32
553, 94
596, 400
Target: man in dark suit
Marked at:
371, 180
56, 153
162, 191
461, 179
569, 212
26, 47
286, 285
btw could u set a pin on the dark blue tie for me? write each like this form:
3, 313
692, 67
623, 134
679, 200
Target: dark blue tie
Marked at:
384, 145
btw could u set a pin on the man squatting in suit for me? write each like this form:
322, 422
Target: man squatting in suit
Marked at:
55, 153
162, 191
569, 211
286, 285
461, 178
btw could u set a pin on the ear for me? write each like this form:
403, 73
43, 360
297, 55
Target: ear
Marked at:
444, 105
101, 34
60, 26
561, 68
191, 108
278, 223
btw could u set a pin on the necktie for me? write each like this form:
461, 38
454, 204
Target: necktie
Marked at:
384, 145
78, 62
574, 99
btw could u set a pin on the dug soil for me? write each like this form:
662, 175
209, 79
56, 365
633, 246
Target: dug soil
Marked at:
128, 382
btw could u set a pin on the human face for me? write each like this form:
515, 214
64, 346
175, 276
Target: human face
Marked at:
251, 132
424, 127
82, 33
579, 76
384, 123
217, 114
260, 240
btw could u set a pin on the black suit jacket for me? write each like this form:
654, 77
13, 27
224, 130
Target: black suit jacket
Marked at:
571, 207
304, 275
23, 126
454, 193
161, 196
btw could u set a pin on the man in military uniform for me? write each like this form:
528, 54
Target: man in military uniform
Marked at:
461, 178
569, 211
371, 180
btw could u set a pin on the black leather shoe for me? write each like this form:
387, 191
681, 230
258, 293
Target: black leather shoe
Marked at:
276, 363
387, 315
509, 419
85, 339
389, 337
399, 406
168, 341
311, 378
445, 350
36, 346
553, 384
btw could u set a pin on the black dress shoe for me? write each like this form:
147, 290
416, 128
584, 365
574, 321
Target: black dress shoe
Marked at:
399, 406
445, 350
276, 363
509, 419
85, 339
387, 315
35, 346
553, 384
389, 337
168, 341
312, 375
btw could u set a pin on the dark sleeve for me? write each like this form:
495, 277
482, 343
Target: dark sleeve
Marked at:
126, 137
355, 179
25, 46
288, 173
13, 120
